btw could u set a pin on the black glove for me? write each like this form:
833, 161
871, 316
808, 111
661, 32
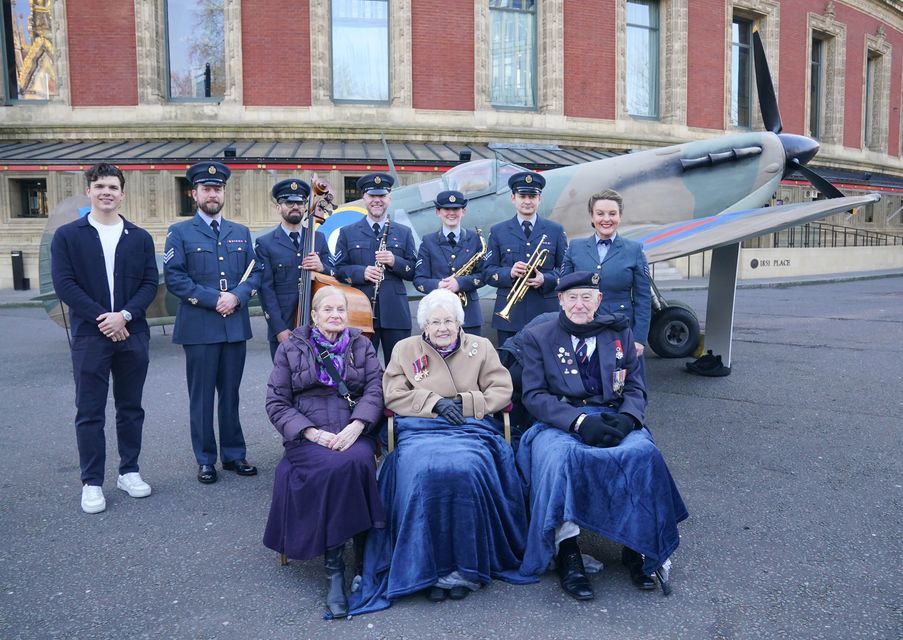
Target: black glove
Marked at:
596, 433
624, 423
450, 409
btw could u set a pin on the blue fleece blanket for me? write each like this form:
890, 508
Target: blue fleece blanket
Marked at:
454, 503
623, 493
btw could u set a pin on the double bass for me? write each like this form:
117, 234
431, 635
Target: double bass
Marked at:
360, 313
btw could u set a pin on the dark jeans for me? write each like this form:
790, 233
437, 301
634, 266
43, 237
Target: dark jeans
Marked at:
94, 359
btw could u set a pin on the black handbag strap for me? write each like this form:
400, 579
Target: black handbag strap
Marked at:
325, 358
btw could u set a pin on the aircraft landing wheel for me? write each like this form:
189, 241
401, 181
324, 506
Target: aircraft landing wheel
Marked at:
674, 333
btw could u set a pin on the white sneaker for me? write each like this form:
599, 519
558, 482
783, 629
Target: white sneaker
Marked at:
92, 499
133, 485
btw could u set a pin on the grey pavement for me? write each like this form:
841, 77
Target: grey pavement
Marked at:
791, 468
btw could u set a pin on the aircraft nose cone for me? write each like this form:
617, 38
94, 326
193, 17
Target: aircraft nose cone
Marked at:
799, 148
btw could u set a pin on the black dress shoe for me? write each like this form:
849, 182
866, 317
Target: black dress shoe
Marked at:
571, 571
458, 593
436, 594
634, 563
241, 467
206, 473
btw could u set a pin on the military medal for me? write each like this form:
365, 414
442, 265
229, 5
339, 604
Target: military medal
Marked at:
619, 351
420, 370
617, 380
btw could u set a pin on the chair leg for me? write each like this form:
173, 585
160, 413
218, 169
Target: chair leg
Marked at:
506, 420
282, 559
391, 434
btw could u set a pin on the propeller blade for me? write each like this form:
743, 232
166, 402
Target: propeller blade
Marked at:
768, 102
820, 183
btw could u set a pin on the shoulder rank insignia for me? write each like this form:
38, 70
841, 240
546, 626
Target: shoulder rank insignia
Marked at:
193, 300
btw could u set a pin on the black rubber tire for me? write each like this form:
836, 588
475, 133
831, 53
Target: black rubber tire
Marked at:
674, 332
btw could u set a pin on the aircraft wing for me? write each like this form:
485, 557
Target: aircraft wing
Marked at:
701, 234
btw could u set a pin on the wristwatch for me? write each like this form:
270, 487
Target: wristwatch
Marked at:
126, 315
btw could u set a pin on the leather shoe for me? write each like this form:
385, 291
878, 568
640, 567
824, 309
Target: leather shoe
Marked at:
241, 467
572, 574
458, 593
634, 563
206, 473
436, 594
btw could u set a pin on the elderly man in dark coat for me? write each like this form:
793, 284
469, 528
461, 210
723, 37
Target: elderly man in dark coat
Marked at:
589, 461
325, 397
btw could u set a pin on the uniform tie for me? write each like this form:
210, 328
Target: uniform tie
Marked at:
528, 227
215, 226
376, 228
582, 351
295, 236
451, 238
605, 243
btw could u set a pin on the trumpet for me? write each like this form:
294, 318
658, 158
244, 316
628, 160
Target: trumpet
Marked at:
468, 267
520, 287
379, 265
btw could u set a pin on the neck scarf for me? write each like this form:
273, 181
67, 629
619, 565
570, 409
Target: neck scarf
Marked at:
593, 327
337, 349
444, 351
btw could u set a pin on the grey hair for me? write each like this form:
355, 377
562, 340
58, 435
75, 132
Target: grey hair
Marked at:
439, 298
325, 292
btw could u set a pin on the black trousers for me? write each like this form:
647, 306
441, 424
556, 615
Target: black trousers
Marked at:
94, 360
388, 338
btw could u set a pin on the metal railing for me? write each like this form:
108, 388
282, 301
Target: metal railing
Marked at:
821, 234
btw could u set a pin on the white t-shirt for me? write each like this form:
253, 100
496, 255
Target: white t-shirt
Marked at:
109, 238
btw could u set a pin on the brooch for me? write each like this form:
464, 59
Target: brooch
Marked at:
473, 350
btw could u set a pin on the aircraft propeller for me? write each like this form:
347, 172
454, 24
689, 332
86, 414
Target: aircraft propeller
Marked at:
798, 150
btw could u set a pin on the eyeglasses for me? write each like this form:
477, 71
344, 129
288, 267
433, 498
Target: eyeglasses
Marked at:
435, 324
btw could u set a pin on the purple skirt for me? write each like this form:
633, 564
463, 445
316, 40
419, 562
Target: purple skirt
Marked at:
321, 498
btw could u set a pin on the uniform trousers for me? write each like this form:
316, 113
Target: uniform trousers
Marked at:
388, 338
503, 336
94, 359
215, 369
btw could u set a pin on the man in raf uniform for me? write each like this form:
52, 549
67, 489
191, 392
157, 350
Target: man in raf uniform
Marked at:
446, 251
104, 269
281, 251
359, 262
208, 266
511, 243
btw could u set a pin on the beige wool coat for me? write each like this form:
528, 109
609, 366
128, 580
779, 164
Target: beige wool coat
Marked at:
473, 373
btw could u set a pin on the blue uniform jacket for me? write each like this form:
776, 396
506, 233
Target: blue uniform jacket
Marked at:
623, 278
197, 266
282, 271
507, 245
553, 391
355, 251
80, 275
436, 259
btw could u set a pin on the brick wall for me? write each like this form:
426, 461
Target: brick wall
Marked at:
275, 43
442, 54
103, 68
705, 64
589, 59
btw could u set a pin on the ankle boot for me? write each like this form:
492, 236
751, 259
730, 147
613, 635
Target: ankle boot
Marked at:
336, 597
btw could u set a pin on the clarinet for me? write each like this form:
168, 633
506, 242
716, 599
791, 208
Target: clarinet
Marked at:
379, 265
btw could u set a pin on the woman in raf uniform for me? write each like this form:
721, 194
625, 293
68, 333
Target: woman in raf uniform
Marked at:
455, 503
324, 396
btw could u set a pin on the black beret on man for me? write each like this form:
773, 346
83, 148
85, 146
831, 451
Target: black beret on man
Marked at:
578, 280
376, 184
450, 200
526, 182
291, 190
209, 172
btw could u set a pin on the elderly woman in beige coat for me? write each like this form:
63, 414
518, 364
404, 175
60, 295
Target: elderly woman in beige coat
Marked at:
453, 498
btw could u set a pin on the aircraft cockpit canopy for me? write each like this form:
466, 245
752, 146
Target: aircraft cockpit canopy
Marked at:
473, 179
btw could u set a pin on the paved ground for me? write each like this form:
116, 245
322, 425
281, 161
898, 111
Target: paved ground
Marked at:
791, 468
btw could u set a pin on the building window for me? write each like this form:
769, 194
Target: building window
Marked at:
816, 82
512, 42
360, 50
28, 198
642, 58
27, 50
196, 49
741, 74
350, 191
871, 77
187, 205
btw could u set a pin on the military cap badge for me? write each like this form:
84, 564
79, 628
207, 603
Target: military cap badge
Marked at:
452, 198
595, 278
211, 170
377, 180
294, 186
528, 179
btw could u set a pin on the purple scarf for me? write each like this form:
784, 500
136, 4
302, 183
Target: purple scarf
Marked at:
337, 349
444, 351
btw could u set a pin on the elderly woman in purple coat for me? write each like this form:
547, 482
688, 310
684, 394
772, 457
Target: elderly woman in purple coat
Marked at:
324, 489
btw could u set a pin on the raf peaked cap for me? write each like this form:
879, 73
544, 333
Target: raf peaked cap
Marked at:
526, 182
292, 190
376, 184
451, 200
208, 173
578, 280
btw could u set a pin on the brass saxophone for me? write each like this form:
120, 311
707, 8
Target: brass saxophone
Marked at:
467, 268
379, 265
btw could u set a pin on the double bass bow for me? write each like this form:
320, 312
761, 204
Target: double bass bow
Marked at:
360, 314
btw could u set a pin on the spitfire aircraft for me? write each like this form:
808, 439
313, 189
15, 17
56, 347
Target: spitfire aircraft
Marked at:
678, 200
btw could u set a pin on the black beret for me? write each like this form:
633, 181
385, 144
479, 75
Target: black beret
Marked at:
578, 280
